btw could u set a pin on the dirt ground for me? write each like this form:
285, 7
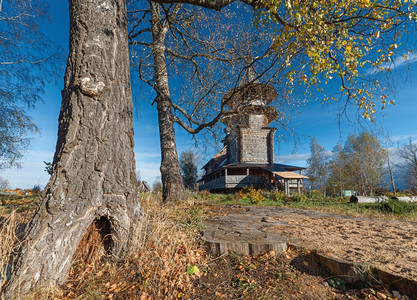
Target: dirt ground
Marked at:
389, 245
291, 275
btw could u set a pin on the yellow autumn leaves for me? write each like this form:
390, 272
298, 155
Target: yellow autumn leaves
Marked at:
342, 38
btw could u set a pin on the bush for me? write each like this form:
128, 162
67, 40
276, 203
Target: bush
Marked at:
229, 198
36, 189
397, 207
299, 198
204, 194
315, 194
392, 206
254, 196
239, 196
405, 193
277, 196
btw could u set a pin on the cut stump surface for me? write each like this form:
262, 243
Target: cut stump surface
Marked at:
390, 246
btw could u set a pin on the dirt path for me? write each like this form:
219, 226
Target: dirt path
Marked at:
388, 245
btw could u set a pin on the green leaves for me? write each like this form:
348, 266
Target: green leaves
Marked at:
191, 270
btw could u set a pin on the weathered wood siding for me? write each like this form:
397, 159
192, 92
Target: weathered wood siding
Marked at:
232, 141
234, 181
255, 145
257, 121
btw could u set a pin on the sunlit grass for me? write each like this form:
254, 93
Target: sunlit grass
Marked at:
390, 210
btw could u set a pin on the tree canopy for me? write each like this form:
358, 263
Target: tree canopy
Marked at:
27, 62
189, 169
295, 45
326, 39
408, 153
359, 165
318, 167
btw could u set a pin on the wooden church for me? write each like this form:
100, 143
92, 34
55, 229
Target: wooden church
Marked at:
247, 158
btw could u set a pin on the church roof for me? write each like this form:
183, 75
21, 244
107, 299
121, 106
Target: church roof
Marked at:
290, 175
249, 76
273, 168
217, 160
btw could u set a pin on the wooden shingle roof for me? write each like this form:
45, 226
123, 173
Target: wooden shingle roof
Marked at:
290, 175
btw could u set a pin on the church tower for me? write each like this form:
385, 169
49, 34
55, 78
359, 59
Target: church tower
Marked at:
247, 158
248, 137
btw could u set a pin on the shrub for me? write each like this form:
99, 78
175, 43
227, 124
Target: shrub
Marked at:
239, 195
264, 193
315, 194
405, 193
254, 196
229, 198
204, 194
277, 196
397, 207
299, 198
246, 190
36, 189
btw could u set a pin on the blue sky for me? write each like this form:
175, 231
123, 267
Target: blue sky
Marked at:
315, 120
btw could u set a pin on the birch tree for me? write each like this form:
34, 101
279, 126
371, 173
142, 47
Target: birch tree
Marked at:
338, 172
318, 167
359, 165
408, 152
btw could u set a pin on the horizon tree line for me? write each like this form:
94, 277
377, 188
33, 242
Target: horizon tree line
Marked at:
362, 164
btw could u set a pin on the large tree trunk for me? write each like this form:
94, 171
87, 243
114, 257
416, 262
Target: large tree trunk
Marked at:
172, 183
93, 180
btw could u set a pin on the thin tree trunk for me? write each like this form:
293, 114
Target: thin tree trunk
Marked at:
391, 175
94, 179
172, 182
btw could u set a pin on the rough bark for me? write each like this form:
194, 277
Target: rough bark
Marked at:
94, 177
172, 183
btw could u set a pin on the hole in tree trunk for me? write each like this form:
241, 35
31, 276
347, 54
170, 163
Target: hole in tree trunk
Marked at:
96, 243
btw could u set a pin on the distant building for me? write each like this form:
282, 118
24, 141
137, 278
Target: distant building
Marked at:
247, 158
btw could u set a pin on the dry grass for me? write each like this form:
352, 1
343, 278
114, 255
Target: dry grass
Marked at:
8, 241
162, 252
165, 259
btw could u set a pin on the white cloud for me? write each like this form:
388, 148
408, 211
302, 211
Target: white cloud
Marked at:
299, 158
395, 64
146, 155
30, 174
148, 163
403, 137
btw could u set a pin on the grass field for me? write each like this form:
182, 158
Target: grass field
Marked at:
390, 210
